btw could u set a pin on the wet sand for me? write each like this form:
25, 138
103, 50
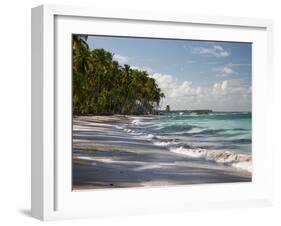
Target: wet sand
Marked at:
105, 156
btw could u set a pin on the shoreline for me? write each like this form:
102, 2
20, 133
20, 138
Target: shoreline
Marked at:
105, 156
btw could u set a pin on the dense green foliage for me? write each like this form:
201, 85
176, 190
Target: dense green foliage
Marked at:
102, 86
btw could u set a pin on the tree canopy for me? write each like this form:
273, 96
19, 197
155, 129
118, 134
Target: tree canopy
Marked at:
102, 86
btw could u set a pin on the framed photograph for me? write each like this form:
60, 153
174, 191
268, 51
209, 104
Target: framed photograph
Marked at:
137, 112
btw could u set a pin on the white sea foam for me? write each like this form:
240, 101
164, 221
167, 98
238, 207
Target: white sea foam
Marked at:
190, 152
164, 143
227, 156
150, 136
128, 130
195, 130
136, 122
237, 160
119, 127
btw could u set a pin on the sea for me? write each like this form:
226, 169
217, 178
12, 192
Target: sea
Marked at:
223, 137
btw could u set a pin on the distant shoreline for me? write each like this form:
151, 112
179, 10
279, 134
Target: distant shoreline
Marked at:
152, 114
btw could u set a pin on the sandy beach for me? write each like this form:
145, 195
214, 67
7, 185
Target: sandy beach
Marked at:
105, 156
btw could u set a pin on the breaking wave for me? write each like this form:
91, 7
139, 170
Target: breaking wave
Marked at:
165, 143
224, 138
241, 161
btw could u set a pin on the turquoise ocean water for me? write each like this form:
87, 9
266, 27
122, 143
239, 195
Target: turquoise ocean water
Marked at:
220, 136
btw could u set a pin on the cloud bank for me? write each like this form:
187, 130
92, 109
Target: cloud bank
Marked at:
227, 95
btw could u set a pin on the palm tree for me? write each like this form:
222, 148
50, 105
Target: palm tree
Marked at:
80, 40
102, 86
81, 59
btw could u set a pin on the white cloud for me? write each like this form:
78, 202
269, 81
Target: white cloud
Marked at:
120, 59
223, 71
228, 69
172, 88
217, 47
215, 50
147, 69
227, 95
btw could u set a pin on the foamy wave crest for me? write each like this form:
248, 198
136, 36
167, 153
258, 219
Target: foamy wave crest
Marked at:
150, 136
129, 130
136, 122
119, 127
190, 152
227, 156
195, 130
164, 143
241, 161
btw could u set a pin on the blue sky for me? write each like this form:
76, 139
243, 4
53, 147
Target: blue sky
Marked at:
206, 74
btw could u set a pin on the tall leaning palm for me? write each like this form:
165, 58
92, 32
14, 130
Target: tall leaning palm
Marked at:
80, 40
80, 66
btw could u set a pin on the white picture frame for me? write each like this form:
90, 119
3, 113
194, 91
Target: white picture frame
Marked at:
52, 197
